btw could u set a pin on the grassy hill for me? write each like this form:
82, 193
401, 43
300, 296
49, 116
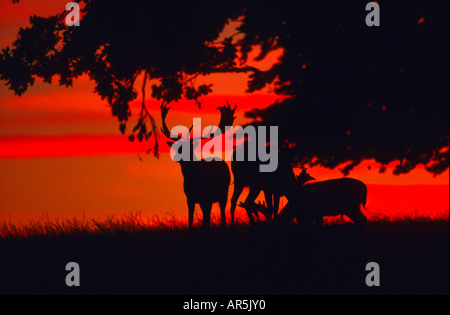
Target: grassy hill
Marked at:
130, 256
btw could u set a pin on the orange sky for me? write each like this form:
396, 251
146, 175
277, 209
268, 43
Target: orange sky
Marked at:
61, 152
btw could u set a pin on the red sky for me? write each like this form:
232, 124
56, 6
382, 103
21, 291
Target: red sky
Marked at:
61, 152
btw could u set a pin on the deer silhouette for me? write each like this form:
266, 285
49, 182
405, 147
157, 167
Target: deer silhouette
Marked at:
205, 182
281, 182
303, 177
342, 196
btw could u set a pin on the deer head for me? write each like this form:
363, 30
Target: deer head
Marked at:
226, 119
304, 177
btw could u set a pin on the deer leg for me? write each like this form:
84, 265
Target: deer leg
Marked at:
269, 203
223, 217
206, 209
191, 207
236, 193
276, 205
250, 202
357, 217
290, 212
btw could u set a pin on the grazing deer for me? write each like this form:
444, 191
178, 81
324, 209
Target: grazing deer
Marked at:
205, 182
275, 184
342, 196
304, 177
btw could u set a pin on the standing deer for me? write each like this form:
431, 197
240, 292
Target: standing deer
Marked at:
275, 184
342, 196
205, 182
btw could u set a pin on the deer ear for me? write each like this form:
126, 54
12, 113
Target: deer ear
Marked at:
170, 143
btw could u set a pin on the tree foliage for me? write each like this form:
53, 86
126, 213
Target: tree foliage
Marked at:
354, 92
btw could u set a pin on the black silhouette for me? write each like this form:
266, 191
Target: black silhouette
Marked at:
344, 79
351, 93
342, 196
257, 208
304, 177
169, 261
205, 182
276, 184
360, 92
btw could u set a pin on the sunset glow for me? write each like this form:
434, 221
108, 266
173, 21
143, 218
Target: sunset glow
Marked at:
61, 152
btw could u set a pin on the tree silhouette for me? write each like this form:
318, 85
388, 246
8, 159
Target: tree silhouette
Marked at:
360, 92
354, 92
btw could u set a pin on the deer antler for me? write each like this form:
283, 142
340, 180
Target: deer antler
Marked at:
226, 119
226, 116
165, 130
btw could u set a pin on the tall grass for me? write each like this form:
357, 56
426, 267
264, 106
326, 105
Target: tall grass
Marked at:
379, 217
128, 223
136, 223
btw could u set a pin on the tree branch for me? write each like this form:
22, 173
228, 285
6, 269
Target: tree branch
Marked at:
234, 70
